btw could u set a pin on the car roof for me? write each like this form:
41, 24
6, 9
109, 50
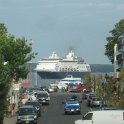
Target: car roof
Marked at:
95, 97
109, 111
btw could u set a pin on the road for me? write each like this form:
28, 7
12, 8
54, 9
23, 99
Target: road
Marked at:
54, 112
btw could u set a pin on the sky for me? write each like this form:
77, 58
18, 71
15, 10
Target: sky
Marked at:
58, 25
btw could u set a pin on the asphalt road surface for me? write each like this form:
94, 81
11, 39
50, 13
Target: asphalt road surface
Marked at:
54, 112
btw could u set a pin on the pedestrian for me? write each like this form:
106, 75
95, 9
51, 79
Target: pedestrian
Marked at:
19, 103
13, 109
24, 100
9, 110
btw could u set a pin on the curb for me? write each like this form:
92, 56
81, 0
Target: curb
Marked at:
10, 120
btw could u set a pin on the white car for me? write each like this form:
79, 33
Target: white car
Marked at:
50, 89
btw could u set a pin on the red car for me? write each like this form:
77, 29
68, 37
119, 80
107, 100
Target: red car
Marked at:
75, 88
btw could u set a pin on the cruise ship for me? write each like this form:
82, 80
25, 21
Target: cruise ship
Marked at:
55, 67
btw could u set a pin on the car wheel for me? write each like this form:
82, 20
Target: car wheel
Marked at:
79, 112
39, 115
65, 113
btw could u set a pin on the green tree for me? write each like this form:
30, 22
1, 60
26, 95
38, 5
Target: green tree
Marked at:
87, 81
97, 81
113, 39
15, 52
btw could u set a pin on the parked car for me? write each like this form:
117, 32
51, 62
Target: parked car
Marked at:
27, 114
43, 97
72, 104
95, 102
36, 104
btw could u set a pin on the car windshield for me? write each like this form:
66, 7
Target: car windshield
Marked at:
96, 99
42, 95
33, 103
25, 111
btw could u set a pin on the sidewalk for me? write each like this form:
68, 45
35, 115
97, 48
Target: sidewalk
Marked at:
10, 120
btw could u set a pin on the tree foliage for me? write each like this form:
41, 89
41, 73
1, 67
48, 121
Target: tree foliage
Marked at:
87, 81
113, 39
14, 53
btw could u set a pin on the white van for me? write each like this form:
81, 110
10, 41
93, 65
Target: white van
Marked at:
103, 117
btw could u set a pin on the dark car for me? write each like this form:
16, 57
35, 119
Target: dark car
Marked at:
36, 104
89, 98
27, 114
43, 97
72, 104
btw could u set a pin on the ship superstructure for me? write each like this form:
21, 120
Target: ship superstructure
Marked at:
48, 64
55, 67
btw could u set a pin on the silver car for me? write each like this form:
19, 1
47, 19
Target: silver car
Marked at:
95, 101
